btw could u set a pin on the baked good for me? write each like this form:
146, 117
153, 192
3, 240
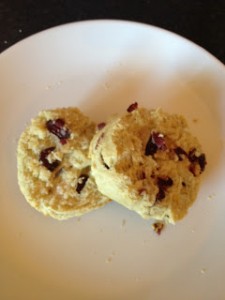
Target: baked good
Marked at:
53, 164
148, 161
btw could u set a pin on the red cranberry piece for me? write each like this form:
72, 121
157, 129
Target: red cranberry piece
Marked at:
160, 195
191, 155
158, 227
132, 107
155, 142
159, 140
43, 158
202, 161
193, 169
63, 141
81, 182
141, 191
101, 125
151, 148
164, 182
179, 152
142, 175
57, 128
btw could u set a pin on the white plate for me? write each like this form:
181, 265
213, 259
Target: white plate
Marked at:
102, 67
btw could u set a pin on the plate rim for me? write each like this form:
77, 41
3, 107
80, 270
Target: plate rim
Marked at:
115, 21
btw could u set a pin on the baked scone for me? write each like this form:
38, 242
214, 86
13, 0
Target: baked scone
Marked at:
53, 164
148, 161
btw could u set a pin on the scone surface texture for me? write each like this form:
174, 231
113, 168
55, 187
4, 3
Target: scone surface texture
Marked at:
148, 161
53, 164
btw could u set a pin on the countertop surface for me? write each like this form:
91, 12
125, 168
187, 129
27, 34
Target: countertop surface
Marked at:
202, 22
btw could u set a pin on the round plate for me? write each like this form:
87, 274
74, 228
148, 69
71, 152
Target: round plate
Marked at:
102, 67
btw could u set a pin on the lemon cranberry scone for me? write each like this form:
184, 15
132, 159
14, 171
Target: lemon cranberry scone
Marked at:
53, 164
148, 161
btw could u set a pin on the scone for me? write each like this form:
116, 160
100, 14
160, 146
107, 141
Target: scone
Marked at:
53, 164
148, 161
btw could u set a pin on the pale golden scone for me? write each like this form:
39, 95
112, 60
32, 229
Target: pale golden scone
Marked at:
148, 161
53, 164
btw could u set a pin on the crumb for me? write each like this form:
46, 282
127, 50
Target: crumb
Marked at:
203, 271
47, 87
210, 197
5, 42
158, 227
123, 223
19, 30
195, 120
54, 85
109, 259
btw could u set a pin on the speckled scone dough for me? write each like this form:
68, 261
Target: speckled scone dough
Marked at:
148, 161
53, 164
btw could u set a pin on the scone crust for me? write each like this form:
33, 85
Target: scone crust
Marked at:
125, 172
53, 192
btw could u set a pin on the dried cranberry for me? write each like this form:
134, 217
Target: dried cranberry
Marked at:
142, 175
155, 142
202, 161
151, 148
57, 128
141, 191
159, 140
101, 125
158, 227
132, 107
43, 158
191, 155
179, 152
81, 182
193, 169
161, 194
63, 141
164, 182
